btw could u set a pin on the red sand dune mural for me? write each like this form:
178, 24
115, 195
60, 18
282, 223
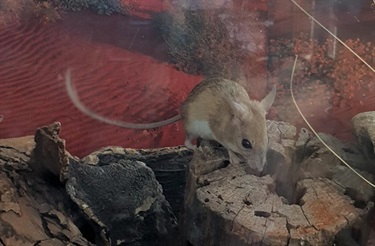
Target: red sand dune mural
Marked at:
110, 74
120, 70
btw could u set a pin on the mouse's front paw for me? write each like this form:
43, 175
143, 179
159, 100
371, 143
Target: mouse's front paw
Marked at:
195, 148
233, 158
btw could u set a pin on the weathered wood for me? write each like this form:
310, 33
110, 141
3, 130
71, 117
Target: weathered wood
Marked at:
123, 201
32, 210
35, 208
104, 181
49, 157
168, 164
229, 207
304, 196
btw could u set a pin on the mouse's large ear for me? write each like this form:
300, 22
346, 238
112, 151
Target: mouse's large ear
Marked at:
238, 109
268, 100
239, 113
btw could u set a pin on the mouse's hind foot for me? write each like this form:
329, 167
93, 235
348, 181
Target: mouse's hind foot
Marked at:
188, 142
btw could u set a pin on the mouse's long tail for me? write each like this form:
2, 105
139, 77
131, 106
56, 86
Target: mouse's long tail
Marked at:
77, 102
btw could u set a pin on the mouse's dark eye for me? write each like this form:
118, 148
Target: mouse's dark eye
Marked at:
246, 144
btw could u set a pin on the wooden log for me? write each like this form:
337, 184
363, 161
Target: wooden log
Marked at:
120, 195
304, 196
226, 206
48, 197
168, 164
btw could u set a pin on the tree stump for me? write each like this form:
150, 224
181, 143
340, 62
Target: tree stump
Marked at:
289, 205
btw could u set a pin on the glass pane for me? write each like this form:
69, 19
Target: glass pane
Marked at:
116, 72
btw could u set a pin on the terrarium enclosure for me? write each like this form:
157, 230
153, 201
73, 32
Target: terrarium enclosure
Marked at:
80, 80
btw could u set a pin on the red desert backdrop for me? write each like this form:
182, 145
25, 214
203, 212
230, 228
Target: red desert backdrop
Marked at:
120, 70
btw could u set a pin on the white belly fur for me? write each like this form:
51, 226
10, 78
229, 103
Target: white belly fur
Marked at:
200, 128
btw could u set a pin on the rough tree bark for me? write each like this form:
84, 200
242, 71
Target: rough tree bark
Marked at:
48, 197
33, 210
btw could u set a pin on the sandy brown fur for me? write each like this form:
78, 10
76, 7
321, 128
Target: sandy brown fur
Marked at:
213, 101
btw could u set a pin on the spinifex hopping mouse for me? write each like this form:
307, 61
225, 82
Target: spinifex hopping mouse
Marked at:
216, 109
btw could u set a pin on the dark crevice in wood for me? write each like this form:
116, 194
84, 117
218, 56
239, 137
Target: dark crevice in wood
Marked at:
359, 201
298, 196
262, 214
